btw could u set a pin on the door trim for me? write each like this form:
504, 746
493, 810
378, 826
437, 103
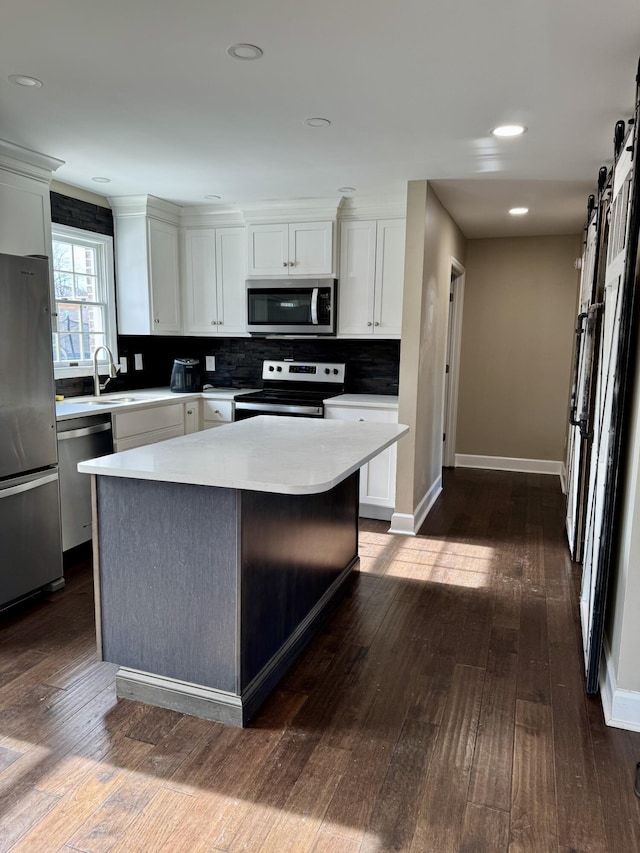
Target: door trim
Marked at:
454, 342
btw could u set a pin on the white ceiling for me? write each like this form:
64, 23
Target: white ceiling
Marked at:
143, 92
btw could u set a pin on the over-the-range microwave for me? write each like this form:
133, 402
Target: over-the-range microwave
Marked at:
297, 307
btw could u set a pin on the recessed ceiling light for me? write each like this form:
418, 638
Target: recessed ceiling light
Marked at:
317, 122
213, 197
245, 51
99, 180
24, 80
519, 211
346, 189
507, 130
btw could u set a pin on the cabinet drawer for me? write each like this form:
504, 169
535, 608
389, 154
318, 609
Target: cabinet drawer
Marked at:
147, 438
217, 410
148, 420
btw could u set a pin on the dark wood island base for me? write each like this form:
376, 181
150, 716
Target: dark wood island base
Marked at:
206, 595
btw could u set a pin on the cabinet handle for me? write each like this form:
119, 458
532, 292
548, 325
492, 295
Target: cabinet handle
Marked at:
369, 323
156, 320
216, 411
189, 411
376, 323
219, 322
285, 264
361, 420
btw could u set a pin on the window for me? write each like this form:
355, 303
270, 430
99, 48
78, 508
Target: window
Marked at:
85, 299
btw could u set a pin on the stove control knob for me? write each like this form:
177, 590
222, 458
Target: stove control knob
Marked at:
326, 370
279, 369
271, 368
335, 370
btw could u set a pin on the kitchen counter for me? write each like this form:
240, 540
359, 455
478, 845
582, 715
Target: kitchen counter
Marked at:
266, 454
218, 554
364, 401
123, 401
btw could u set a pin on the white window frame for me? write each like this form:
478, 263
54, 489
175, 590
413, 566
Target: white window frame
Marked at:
104, 244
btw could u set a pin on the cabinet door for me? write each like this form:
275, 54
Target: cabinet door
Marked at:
389, 279
231, 275
357, 278
200, 302
311, 248
268, 249
191, 417
164, 276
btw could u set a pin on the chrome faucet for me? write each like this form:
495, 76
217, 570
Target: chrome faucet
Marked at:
113, 371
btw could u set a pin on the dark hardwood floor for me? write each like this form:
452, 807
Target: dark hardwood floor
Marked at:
442, 708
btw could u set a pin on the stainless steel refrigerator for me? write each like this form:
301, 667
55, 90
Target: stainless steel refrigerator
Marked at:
30, 539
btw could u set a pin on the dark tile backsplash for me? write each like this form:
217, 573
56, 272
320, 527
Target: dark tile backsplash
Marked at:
372, 366
81, 214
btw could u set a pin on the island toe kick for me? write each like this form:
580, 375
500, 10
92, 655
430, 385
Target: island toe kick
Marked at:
207, 595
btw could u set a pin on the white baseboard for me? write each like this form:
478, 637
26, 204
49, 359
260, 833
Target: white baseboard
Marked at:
408, 524
563, 479
508, 463
621, 707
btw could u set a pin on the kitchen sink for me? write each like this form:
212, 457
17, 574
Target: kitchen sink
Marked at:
99, 401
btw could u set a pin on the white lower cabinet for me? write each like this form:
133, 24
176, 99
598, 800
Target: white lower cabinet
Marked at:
147, 426
216, 413
192, 417
377, 477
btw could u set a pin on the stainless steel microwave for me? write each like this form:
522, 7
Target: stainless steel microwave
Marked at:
296, 307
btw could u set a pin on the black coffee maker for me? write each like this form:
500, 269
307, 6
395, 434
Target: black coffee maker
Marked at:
185, 376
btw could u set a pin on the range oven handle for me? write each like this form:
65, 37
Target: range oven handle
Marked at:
274, 408
314, 306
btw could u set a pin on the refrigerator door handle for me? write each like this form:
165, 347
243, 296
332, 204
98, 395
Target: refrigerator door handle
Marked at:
30, 484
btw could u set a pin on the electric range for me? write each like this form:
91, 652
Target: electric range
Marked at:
293, 388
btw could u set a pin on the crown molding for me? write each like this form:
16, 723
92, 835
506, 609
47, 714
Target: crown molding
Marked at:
24, 161
373, 207
145, 205
291, 210
208, 216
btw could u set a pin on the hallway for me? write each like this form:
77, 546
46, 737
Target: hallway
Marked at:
441, 708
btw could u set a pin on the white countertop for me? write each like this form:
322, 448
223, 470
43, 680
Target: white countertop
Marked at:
364, 401
266, 454
75, 407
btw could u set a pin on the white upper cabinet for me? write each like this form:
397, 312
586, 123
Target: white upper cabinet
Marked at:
164, 276
147, 266
214, 281
371, 278
25, 209
231, 270
290, 249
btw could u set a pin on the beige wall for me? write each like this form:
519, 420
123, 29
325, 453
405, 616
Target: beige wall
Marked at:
77, 192
517, 346
432, 240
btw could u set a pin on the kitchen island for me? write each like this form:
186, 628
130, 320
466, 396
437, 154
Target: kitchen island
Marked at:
217, 554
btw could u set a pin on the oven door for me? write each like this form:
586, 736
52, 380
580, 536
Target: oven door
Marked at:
298, 308
245, 410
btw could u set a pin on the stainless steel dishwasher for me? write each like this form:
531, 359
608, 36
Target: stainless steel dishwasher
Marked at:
79, 439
